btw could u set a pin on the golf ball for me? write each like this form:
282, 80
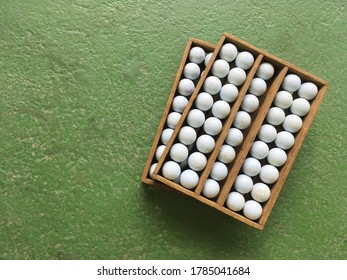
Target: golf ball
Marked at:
242, 120
228, 52
179, 103
283, 99
159, 151
196, 118
220, 68
172, 119
197, 161
308, 90
235, 201
212, 85
207, 58
267, 133
257, 87
205, 144
260, 192
237, 76
259, 150
284, 140
269, 174
220, 109
171, 170
226, 154
275, 116
252, 210
234, 137
277, 157
211, 188
300, 107
178, 152
196, 55
187, 135
151, 169
291, 83
219, 171
292, 123
204, 101
265, 71
213, 126
191, 71
243, 183
166, 135
229, 93
189, 179
251, 167
250, 103
186, 87
244, 60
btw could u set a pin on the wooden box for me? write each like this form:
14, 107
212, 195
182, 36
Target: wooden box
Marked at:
258, 117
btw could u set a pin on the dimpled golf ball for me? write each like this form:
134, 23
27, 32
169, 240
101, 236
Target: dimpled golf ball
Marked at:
244, 60
166, 135
265, 71
300, 107
228, 52
196, 118
292, 123
267, 133
235, 201
178, 152
242, 120
172, 119
220, 109
226, 154
196, 55
308, 91
207, 58
251, 167
257, 87
291, 83
284, 140
151, 169
243, 183
159, 151
237, 76
197, 161
187, 135
213, 126
220, 68
252, 210
234, 137
259, 150
205, 143
186, 87
260, 192
212, 85
204, 101
179, 103
219, 171
191, 71
250, 103
211, 188
275, 116
189, 179
269, 174
277, 157
229, 93
283, 99
171, 170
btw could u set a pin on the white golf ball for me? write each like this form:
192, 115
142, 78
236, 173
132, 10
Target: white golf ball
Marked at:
234, 137
308, 90
197, 55
220, 68
213, 126
283, 99
166, 135
292, 123
179, 152
252, 210
205, 144
244, 60
250, 103
211, 188
259, 150
186, 87
242, 120
237, 76
300, 107
228, 52
207, 58
235, 201
267, 133
159, 151
179, 103
189, 179
219, 171
187, 135
277, 157
220, 109
261, 192
172, 119
191, 71
275, 116
291, 83
204, 101
284, 140
196, 118
151, 169
197, 161
243, 183
251, 167
269, 174
229, 93
171, 170
212, 85
257, 87
265, 71
226, 154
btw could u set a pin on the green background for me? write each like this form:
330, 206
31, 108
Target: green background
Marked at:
82, 88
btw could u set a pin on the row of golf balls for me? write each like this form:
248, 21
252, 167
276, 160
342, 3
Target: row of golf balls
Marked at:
276, 157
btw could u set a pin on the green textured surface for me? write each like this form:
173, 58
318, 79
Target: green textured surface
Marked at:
82, 88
